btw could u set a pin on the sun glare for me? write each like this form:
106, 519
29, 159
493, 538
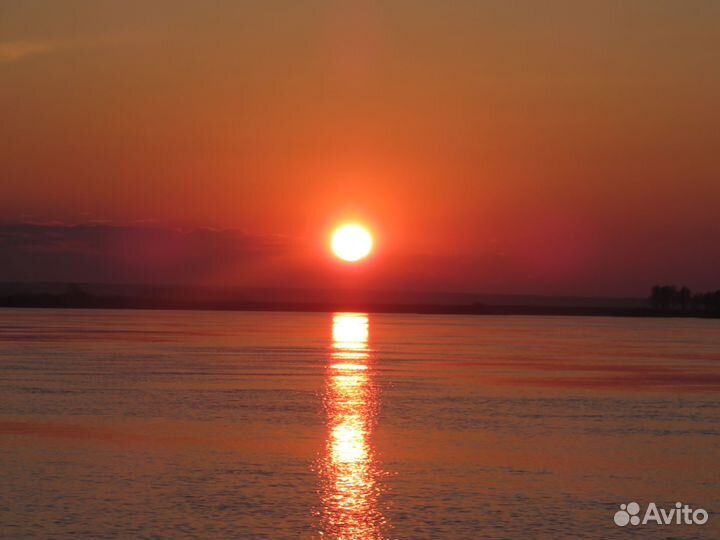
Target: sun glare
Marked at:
351, 243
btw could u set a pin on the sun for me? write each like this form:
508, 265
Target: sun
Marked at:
351, 242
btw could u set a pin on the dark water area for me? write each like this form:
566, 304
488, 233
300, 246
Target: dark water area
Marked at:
177, 424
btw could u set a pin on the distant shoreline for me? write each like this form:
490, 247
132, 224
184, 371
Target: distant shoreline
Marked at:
47, 301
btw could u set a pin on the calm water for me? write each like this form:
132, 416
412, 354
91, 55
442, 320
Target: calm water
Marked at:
149, 424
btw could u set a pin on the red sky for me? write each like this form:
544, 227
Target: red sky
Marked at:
563, 149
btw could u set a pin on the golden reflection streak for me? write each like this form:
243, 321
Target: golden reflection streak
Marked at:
349, 470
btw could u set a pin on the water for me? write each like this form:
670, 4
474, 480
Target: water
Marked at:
151, 424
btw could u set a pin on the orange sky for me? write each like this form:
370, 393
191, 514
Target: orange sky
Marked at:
495, 147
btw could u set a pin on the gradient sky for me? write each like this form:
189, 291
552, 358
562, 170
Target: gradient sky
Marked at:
513, 147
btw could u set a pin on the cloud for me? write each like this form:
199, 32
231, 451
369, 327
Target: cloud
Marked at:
17, 50
13, 51
133, 253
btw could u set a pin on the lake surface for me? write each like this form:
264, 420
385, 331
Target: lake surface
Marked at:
157, 424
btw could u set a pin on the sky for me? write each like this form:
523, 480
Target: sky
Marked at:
553, 147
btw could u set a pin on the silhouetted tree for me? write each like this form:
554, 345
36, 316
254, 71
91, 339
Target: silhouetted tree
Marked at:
684, 297
668, 298
664, 297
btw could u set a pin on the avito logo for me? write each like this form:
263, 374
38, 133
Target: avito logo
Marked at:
679, 515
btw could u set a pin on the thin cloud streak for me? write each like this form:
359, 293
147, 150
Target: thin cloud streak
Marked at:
15, 51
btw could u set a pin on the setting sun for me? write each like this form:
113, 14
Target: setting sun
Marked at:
351, 243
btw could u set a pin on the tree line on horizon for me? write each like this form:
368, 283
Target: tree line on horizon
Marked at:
664, 300
671, 298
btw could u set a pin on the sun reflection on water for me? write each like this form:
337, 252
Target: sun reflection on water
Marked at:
349, 469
